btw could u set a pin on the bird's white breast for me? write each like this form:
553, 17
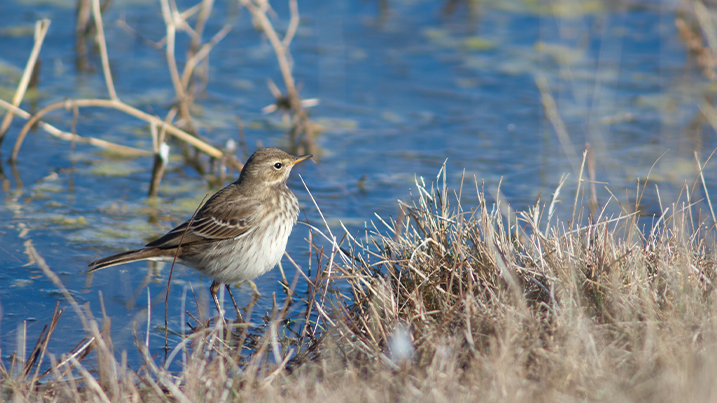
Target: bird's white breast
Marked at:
259, 249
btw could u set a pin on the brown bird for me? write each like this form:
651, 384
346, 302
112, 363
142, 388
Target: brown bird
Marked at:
239, 234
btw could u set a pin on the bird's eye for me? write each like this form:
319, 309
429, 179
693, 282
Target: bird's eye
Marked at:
278, 165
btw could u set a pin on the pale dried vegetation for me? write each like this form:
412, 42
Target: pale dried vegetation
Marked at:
445, 303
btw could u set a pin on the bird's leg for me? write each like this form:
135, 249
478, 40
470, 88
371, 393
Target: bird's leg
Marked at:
239, 317
213, 290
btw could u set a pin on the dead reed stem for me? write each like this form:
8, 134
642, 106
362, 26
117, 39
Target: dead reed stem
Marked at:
551, 111
67, 136
41, 28
119, 105
103, 50
169, 21
302, 124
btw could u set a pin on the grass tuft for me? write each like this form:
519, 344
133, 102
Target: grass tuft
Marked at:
446, 303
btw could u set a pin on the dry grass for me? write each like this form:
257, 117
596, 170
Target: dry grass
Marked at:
448, 303
604, 311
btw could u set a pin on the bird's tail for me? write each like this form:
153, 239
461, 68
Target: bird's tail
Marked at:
125, 257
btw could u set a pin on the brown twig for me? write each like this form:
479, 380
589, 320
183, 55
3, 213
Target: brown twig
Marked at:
201, 54
103, 49
259, 9
169, 20
38, 353
106, 103
161, 155
293, 23
205, 8
55, 132
40, 31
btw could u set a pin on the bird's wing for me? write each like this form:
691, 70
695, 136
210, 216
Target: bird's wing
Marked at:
213, 222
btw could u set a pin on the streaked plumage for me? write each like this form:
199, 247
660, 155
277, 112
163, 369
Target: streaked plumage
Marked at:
239, 234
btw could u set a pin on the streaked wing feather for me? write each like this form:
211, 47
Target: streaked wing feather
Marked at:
212, 223
214, 228
172, 238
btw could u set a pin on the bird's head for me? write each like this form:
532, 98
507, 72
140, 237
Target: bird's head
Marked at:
270, 166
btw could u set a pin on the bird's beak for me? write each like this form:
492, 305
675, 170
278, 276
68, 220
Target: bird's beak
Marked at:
303, 157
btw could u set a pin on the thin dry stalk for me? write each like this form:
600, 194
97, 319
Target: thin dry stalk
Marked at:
180, 134
161, 157
706, 23
302, 124
205, 10
72, 137
103, 50
174, 20
551, 111
41, 28
704, 184
43, 345
170, 19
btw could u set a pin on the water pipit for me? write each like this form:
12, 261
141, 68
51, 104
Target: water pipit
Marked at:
239, 234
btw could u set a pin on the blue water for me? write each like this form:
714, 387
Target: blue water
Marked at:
399, 95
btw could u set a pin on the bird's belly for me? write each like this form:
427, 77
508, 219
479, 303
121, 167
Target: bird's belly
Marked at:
249, 256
